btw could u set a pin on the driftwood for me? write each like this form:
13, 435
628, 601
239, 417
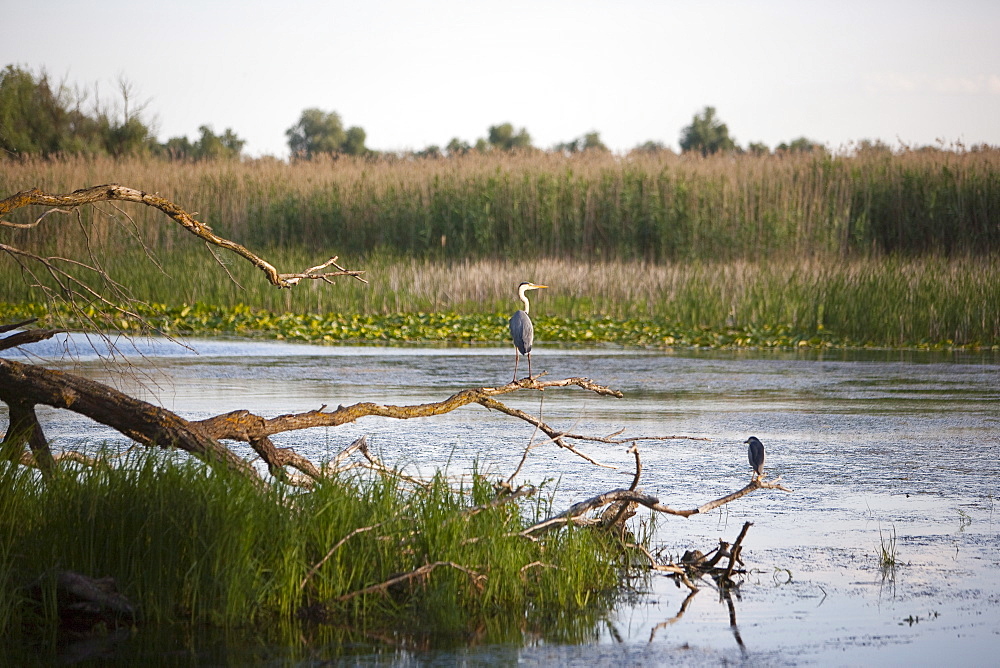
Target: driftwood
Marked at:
575, 513
694, 566
83, 601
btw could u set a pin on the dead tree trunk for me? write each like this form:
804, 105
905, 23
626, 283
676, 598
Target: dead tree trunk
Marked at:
23, 386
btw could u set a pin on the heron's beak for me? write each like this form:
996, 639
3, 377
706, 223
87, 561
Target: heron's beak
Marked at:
538, 286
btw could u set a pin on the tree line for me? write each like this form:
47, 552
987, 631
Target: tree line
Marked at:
41, 117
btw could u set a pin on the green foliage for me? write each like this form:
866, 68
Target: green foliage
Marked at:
504, 138
930, 303
322, 133
38, 117
800, 145
590, 141
887, 556
882, 248
706, 134
457, 147
209, 146
651, 148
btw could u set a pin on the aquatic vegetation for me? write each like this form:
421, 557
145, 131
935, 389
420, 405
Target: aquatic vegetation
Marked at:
887, 555
911, 330
192, 544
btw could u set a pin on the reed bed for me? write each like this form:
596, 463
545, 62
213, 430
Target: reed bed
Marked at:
591, 206
893, 301
878, 248
196, 546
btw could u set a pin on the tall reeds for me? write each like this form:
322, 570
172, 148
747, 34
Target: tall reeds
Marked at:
588, 207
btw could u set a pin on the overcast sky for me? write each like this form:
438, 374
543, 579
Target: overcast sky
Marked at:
417, 73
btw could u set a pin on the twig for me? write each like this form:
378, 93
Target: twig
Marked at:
417, 572
115, 192
572, 514
319, 564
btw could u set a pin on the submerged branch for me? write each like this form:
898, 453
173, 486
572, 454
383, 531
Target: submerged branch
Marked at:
575, 513
426, 569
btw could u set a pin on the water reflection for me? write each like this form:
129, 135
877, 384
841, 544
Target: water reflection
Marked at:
869, 440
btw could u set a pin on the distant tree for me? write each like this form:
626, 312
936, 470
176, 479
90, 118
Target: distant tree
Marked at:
457, 147
127, 137
504, 138
869, 146
800, 145
177, 148
567, 147
209, 146
706, 134
354, 143
758, 148
38, 117
125, 133
651, 147
432, 151
32, 114
591, 141
212, 146
319, 132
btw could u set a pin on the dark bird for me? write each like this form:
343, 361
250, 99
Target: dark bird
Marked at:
755, 453
521, 329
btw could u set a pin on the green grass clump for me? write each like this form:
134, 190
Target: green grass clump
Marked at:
193, 545
887, 555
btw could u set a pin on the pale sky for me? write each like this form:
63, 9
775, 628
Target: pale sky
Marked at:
416, 73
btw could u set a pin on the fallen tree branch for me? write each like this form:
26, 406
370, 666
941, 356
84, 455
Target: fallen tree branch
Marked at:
25, 337
574, 514
27, 384
115, 192
477, 579
244, 426
154, 426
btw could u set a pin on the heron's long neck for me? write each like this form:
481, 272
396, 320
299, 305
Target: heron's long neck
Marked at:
524, 298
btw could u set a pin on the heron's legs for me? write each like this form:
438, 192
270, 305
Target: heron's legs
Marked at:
529, 365
515, 363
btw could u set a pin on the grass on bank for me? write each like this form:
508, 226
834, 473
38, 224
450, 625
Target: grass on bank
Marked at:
928, 302
194, 545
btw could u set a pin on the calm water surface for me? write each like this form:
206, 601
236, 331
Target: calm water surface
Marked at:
873, 444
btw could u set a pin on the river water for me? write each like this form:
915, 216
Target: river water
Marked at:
874, 444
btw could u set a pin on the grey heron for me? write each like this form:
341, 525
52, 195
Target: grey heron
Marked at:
755, 453
521, 329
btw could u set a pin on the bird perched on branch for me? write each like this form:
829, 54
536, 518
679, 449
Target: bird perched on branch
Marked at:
521, 329
755, 453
